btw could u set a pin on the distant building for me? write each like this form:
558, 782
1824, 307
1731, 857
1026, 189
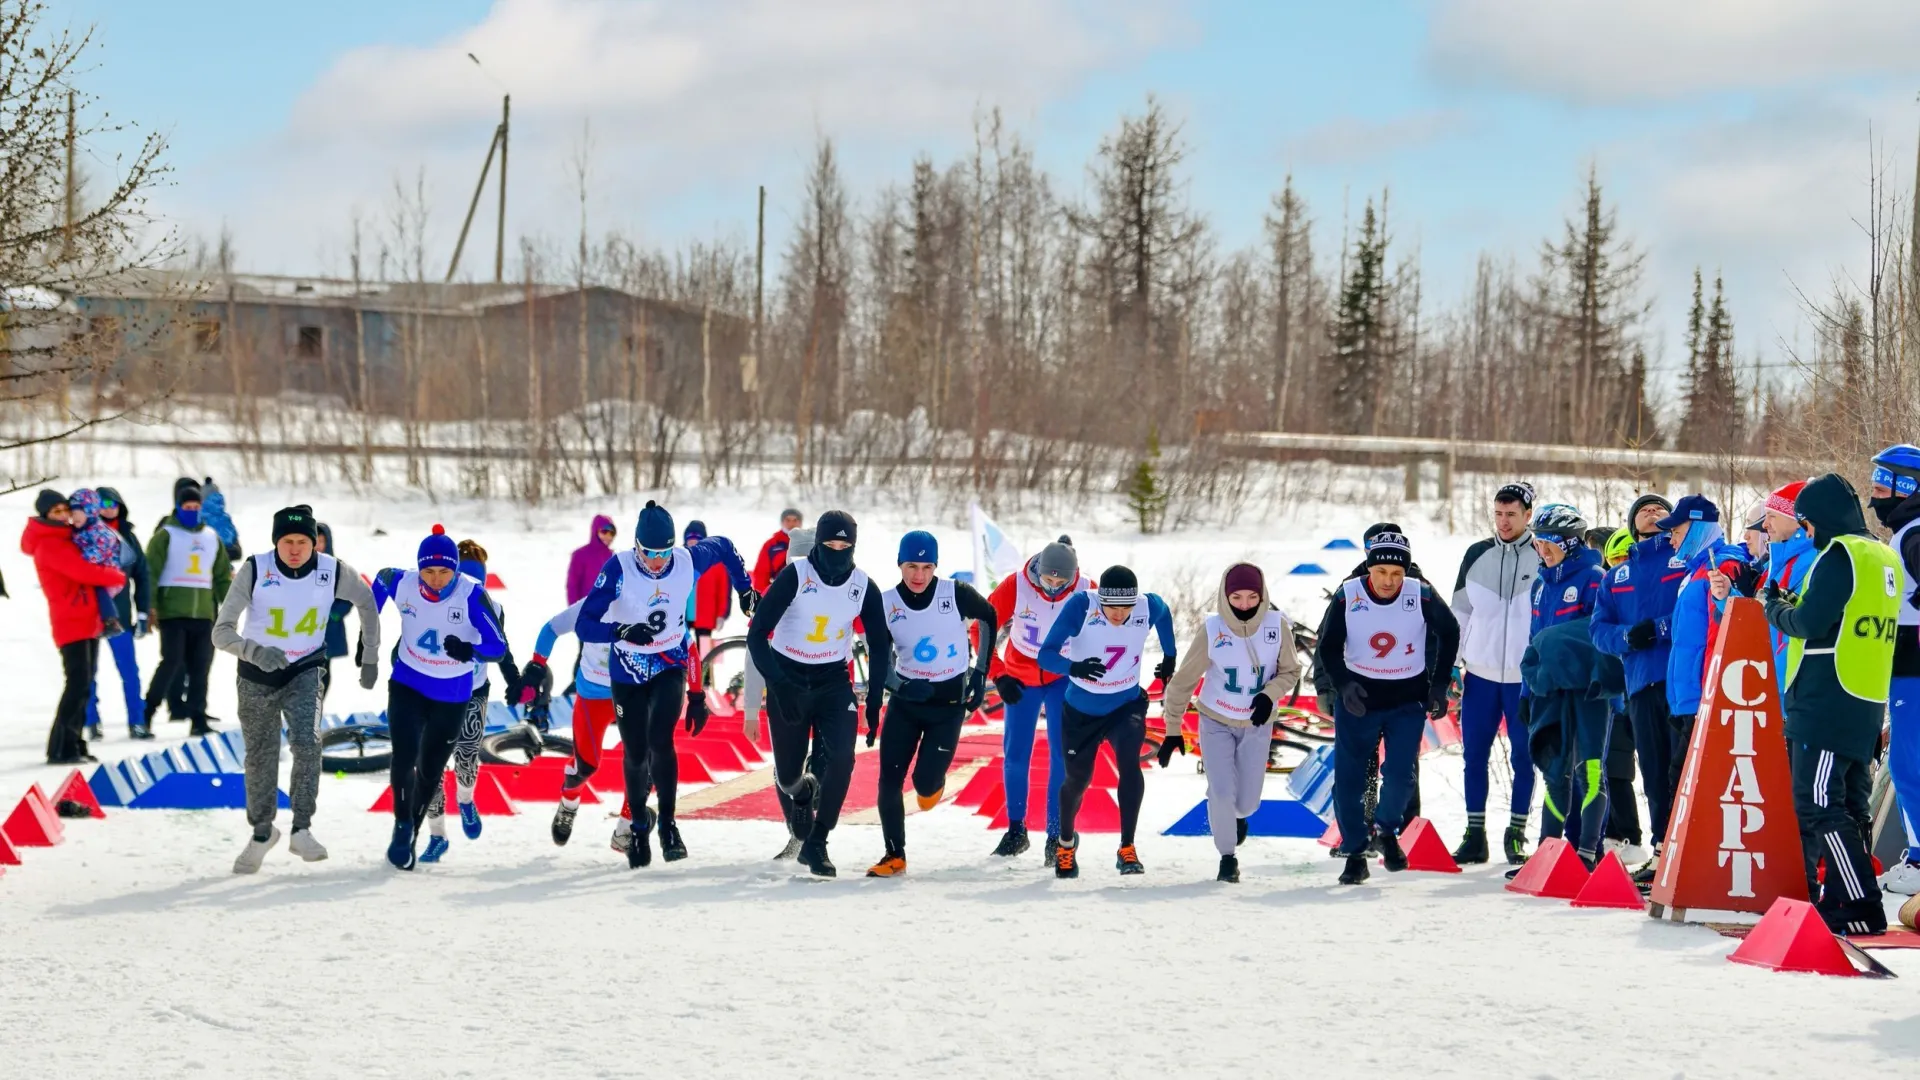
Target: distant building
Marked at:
454, 351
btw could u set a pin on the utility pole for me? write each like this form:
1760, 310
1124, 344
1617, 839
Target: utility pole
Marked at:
66, 248
500, 233
759, 286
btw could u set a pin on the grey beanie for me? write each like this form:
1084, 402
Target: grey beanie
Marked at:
799, 542
1057, 560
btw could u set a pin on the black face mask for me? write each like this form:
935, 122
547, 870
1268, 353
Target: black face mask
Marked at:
1244, 614
1884, 508
834, 564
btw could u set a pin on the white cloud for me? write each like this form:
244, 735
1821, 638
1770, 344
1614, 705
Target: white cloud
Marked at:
684, 99
1613, 51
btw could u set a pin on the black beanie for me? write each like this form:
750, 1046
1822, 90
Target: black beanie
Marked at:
295, 521
47, 500
185, 490
1387, 546
1118, 587
834, 566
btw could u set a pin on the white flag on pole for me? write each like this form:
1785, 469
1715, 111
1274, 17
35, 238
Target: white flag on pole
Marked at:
994, 554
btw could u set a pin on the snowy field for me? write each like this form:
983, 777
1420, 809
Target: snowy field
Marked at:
131, 950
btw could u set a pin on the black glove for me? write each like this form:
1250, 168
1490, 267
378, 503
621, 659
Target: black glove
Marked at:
1641, 635
696, 711
1353, 698
1173, 742
533, 678
873, 716
976, 691
1010, 689
1164, 669
457, 649
748, 601
1262, 709
634, 633
1091, 668
1437, 704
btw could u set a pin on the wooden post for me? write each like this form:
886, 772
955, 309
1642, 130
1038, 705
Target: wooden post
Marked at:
1446, 477
500, 232
1412, 491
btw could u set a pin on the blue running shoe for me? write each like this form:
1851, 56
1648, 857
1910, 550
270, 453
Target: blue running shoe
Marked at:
436, 847
470, 821
400, 851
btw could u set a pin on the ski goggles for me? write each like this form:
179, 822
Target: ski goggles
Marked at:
655, 553
1901, 484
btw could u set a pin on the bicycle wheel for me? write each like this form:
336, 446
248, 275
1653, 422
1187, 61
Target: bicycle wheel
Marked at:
723, 671
356, 748
519, 745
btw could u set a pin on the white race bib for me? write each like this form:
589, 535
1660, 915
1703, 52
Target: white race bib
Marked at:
291, 614
931, 643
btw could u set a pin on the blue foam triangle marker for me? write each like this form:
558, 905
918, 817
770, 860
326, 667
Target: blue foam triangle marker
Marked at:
1276, 817
1308, 568
1339, 543
194, 791
109, 787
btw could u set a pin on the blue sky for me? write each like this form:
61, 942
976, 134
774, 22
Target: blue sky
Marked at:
1731, 133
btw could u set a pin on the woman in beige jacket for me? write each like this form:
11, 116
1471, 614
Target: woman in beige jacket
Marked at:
1245, 652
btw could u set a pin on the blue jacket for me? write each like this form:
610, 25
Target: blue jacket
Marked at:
1568, 591
1787, 564
1696, 621
490, 646
1066, 627
1569, 682
1642, 589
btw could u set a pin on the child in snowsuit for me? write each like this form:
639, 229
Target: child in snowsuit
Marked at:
99, 544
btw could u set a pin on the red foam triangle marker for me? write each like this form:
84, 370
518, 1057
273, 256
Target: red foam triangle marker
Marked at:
983, 779
1554, 872
384, 802
494, 584
994, 804
1425, 850
1791, 937
74, 789
488, 799
8, 856
1331, 838
1610, 887
33, 822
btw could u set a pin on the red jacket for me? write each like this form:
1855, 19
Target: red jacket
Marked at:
772, 560
68, 580
712, 598
1009, 660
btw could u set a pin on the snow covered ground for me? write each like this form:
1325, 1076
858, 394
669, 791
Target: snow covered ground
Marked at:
131, 950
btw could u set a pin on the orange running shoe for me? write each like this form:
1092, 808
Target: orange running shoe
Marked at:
891, 866
1064, 865
1128, 861
928, 802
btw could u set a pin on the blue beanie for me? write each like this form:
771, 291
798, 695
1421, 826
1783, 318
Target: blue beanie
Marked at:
655, 528
696, 531
919, 546
438, 550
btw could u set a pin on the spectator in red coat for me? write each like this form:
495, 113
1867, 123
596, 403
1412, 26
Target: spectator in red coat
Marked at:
773, 553
589, 558
69, 581
712, 594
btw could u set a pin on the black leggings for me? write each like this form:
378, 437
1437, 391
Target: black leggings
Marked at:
66, 740
186, 648
646, 714
423, 732
813, 730
1124, 729
913, 729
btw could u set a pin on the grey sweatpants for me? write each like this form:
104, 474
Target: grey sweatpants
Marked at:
466, 752
263, 710
1236, 760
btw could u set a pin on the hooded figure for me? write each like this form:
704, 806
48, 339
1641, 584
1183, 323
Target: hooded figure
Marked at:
1247, 657
213, 511
586, 561
1839, 666
713, 593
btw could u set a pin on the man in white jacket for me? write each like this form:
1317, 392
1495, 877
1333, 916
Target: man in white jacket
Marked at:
1493, 601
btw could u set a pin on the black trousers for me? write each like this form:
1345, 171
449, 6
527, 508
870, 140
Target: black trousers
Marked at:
1124, 729
646, 714
920, 736
423, 732
813, 729
186, 648
66, 741
1830, 794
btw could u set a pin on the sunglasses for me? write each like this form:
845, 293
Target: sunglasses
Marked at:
656, 553
607, 532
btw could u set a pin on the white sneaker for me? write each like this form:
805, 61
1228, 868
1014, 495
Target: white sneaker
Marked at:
255, 852
1630, 854
1903, 879
623, 836
304, 845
